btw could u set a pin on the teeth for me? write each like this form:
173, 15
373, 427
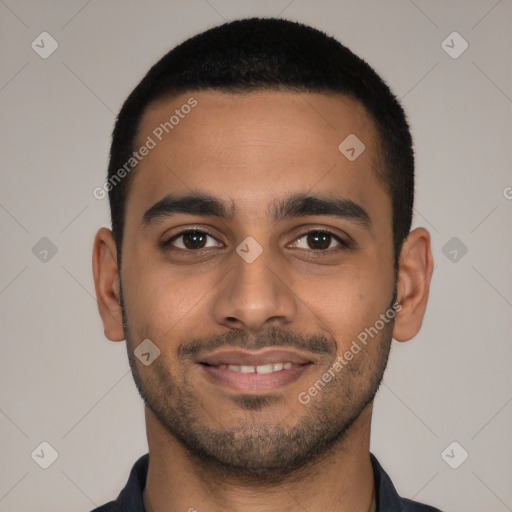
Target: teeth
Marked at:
262, 368
269, 368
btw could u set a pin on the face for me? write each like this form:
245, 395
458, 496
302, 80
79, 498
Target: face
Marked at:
255, 254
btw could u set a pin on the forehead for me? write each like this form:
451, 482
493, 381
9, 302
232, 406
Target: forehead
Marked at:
256, 147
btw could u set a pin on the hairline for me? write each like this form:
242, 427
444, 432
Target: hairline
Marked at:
378, 161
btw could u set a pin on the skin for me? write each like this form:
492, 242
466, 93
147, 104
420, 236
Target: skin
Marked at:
249, 151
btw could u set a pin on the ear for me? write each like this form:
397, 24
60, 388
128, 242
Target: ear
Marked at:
106, 283
414, 274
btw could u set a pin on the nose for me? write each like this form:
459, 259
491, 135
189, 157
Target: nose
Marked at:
254, 296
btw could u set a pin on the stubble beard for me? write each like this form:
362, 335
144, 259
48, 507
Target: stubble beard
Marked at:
265, 452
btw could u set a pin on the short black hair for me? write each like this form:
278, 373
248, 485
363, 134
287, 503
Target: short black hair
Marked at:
270, 54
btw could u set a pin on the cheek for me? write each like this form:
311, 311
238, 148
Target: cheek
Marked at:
346, 304
158, 300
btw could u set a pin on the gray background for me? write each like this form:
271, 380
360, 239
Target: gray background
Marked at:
63, 383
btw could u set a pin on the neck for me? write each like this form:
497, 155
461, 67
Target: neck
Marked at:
342, 481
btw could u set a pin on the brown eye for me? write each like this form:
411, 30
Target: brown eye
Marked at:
192, 240
318, 241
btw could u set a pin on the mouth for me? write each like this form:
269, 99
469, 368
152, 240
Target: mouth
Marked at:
254, 372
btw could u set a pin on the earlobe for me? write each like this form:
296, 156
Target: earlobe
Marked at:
107, 284
414, 275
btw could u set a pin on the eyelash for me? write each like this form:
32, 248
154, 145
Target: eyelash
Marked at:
321, 252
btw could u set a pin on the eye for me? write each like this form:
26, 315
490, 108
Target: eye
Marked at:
192, 239
319, 240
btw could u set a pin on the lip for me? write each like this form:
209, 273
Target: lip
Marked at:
257, 358
254, 382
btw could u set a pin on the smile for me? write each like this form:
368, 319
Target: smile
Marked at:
262, 368
253, 379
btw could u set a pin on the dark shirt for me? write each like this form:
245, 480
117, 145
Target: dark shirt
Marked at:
130, 498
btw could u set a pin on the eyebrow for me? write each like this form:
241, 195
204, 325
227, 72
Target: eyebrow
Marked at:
304, 205
299, 205
191, 204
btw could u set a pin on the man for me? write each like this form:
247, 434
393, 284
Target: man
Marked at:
260, 262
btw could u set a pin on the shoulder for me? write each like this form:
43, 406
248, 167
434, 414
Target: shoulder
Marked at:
388, 499
130, 498
108, 507
414, 506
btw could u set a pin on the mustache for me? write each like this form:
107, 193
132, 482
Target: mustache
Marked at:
273, 337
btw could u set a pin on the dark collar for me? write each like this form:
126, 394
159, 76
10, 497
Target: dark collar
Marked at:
388, 500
